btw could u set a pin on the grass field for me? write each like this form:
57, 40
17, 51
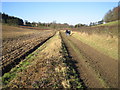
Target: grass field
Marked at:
110, 23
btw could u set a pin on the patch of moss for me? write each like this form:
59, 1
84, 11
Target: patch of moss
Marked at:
7, 77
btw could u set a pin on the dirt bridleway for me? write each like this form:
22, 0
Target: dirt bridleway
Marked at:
96, 70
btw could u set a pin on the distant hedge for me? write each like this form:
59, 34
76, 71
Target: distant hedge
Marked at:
110, 30
11, 20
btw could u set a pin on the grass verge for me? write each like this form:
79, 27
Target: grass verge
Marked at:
7, 77
102, 43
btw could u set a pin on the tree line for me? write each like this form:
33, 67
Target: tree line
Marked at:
53, 25
112, 15
11, 20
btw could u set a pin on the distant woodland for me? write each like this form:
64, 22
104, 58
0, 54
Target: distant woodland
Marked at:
11, 20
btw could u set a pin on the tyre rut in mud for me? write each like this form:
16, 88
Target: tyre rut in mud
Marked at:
93, 66
71, 63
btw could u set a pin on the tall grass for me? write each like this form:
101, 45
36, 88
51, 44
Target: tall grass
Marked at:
104, 37
103, 43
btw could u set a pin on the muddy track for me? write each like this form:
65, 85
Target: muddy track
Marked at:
96, 70
12, 63
50, 67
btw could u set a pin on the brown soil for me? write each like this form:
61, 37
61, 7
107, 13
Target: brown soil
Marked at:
47, 70
96, 69
43, 71
19, 41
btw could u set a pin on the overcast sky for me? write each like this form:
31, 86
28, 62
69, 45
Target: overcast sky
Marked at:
61, 12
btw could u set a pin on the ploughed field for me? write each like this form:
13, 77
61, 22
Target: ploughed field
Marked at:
53, 59
17, 42
49, 66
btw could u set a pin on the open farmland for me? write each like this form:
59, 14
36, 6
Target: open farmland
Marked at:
55, 60
59, 45
47, 67
17, 42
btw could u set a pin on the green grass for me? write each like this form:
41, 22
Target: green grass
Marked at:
110, 23
7, 77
